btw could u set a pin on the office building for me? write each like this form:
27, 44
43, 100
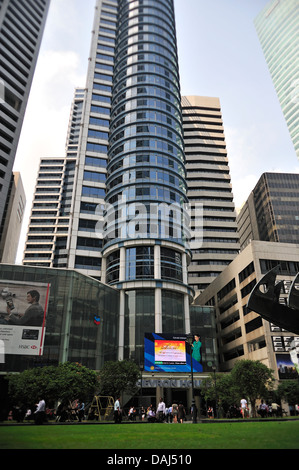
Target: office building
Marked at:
277, 29
13, 222
242, 333
271, 210
145, 252
21, 29
48, 236
209, 189
127, 222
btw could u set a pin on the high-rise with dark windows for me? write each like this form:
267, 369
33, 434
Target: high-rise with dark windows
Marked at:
21, 29
271, 210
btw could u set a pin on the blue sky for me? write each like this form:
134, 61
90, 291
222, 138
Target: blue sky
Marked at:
219, 55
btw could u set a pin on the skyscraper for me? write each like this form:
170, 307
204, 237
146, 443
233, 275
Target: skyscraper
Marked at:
21, 29
277, 28
48, 236
271, 210
209, 185
145, 252
129, 207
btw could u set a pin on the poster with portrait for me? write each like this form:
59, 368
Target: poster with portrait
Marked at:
23, 311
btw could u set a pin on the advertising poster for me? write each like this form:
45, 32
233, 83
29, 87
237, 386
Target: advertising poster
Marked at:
286, 367
23, 310
168, 353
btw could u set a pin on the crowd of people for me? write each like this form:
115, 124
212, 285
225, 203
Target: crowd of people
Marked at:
65, 412
175, 413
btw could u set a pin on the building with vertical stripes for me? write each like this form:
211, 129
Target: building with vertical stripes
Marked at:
277, 29
210, 188
21, 29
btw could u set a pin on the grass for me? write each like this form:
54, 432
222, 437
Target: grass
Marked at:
228, 435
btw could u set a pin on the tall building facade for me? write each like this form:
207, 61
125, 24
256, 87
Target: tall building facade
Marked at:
128, 221
271, 210
241, 332
13, 222
48, 236
210, 189
21, 29
145, 253
277, 29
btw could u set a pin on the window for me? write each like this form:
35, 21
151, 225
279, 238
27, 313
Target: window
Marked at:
171, 264
93, 192
96, 147
139, 263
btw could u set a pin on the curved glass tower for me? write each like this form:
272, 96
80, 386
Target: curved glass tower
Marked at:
277, 29
145, 251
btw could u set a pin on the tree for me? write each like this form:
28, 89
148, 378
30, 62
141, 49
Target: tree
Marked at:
118, 377
289, 391
220, 388
252, 379
67, 381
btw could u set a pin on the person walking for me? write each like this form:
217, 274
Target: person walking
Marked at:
244, 407
161, 411
117, 411
39, 414
181, 413
175, 412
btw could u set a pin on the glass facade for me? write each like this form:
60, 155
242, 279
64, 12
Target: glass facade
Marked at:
173, 312
71, 334
276, 200
145, 250
146, 152
277, 28
203, 323
140, 318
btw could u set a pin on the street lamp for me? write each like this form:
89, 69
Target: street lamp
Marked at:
193, 406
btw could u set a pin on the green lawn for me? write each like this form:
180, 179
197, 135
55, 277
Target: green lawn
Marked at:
228, 435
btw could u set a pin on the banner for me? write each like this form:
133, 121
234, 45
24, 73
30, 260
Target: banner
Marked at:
23, 310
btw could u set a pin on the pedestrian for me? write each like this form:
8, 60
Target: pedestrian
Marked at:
117, 411
181, 412
175, 412
167, 414
81, 408
170, 414
161, 411
262, 410
39, 414
151, 416
243, 407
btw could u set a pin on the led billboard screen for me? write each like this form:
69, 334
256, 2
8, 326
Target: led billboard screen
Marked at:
168, 353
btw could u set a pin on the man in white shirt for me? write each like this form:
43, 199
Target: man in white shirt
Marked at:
161, 411
39, 413
117, 411
243, 407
